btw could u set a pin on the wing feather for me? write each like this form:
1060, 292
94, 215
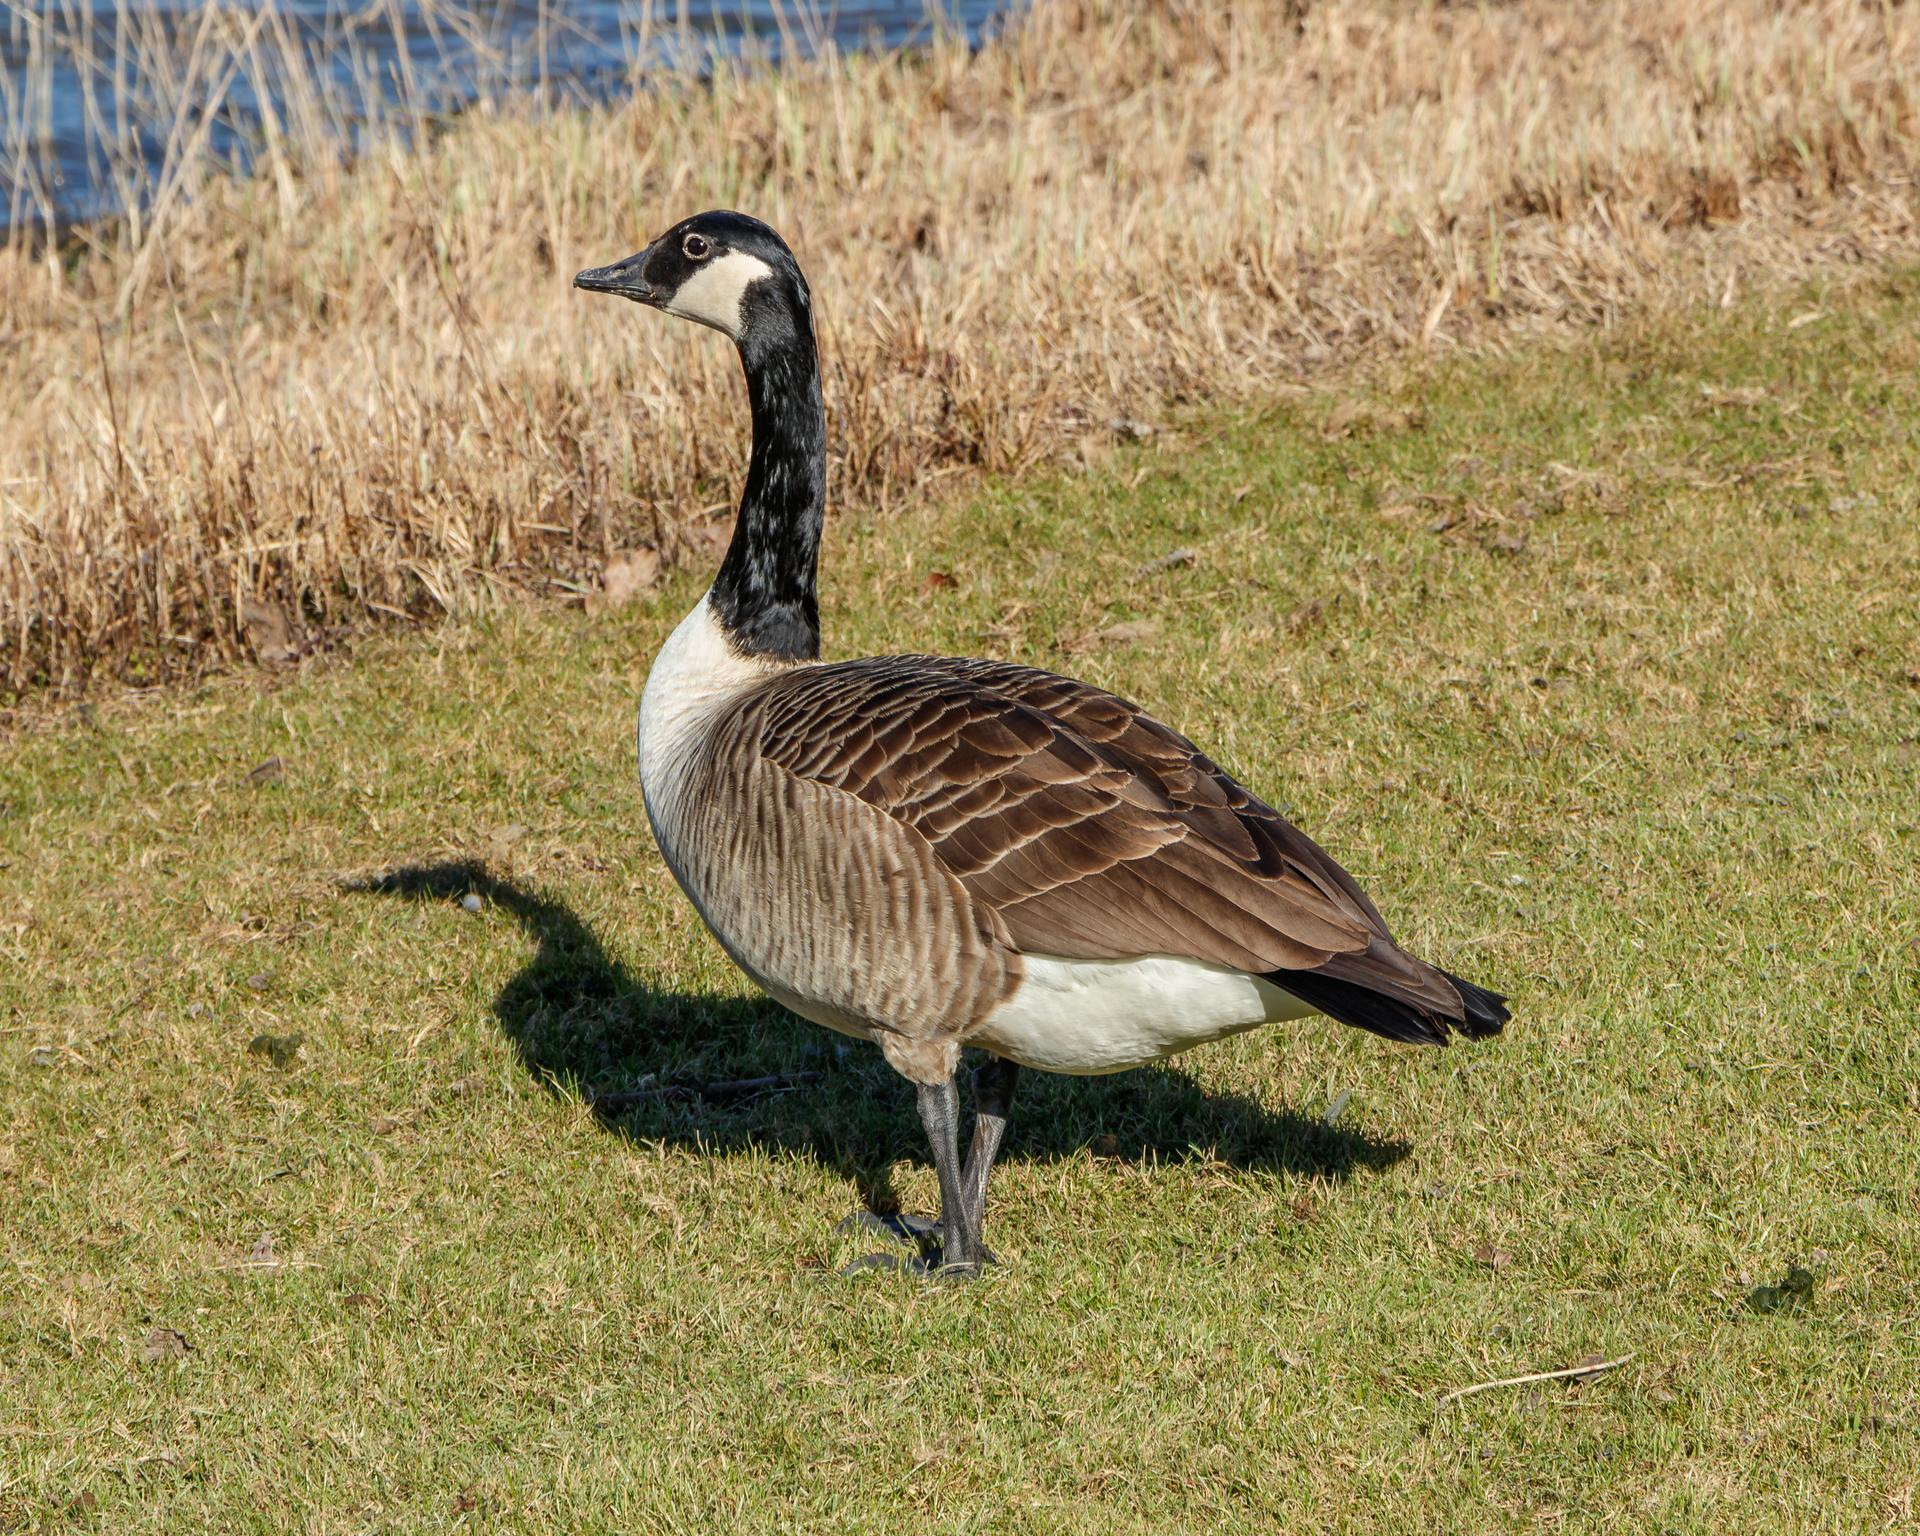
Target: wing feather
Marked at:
1093, 831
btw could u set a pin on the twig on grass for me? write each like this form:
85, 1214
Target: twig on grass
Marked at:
1591, 1368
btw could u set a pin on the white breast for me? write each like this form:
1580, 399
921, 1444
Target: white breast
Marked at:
696, 673
1087, 1017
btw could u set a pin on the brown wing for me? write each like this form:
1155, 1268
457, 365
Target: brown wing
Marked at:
1093, 831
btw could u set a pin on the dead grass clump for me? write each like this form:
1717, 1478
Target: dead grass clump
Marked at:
338, 392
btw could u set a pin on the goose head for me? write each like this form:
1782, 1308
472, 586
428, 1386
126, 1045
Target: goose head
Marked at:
735, 274
721, 269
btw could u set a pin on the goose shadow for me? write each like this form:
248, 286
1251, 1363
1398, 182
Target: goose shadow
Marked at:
728, 1075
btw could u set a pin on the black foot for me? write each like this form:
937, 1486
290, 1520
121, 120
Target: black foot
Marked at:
931, 1268
914, 1231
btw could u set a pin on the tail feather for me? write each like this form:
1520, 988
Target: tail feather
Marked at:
1487, 1011
1483, 1013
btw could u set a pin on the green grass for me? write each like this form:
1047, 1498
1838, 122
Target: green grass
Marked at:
1598, 665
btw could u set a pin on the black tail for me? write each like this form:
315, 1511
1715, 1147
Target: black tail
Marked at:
1487, 1012
1363, 1007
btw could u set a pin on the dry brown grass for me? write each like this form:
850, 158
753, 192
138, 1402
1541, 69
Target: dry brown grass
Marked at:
348, 392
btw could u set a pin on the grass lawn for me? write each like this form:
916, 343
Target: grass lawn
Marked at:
1597, 663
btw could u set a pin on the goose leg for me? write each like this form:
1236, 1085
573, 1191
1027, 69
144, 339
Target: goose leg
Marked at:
960, 1233
952, 1247
993, 1084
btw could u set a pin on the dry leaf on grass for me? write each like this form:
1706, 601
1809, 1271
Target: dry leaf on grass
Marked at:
1737, 397
1363, 418
627, 575
270, 631
1166, 562
701, 540
165, 1344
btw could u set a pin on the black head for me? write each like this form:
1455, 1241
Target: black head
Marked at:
722, 269
736, 275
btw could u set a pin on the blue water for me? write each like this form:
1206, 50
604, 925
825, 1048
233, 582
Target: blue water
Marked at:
84, 130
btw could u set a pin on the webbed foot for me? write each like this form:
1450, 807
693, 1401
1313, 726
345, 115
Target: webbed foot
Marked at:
922, 1232
919, 1232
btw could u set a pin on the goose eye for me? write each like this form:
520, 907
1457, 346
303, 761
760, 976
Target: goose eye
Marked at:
695, 248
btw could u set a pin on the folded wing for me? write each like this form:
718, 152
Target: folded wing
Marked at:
1093, 831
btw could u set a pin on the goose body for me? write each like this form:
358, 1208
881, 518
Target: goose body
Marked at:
935, 853
852, 924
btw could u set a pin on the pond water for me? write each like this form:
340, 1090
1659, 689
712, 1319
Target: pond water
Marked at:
100, 99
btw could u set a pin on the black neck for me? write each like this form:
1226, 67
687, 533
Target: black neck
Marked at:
763, 595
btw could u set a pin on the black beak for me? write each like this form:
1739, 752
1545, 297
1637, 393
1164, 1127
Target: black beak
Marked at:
623, 278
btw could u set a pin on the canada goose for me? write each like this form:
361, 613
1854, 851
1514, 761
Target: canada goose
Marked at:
932, 853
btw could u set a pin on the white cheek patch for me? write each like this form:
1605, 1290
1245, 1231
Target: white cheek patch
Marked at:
714, 294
